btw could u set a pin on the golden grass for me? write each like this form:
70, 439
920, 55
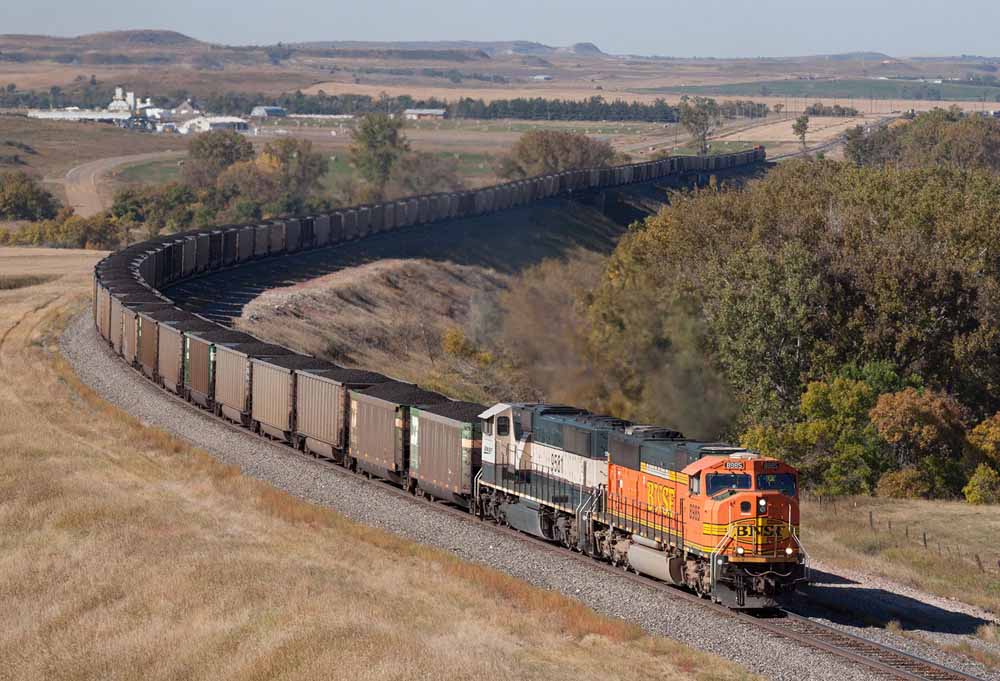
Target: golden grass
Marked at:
128, 554
970, 649
9, 282
840, 535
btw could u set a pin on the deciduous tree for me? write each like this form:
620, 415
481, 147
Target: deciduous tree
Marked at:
701, 117
212, 152
541, 152
378, 144
801, 128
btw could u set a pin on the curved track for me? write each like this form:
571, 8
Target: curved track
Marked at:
152, 265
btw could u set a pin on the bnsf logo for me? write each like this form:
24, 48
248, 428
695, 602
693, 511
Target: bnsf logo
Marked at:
734, 465
768, 531
660, 497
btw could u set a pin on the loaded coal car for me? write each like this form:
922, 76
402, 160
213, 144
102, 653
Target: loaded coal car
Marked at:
272, 405
130, 327
200, 348
234, 378
446, 450
170, 353
119, 303
322, 408
379, 431
148, 337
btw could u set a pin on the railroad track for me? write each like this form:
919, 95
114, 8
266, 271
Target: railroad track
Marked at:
879, 660
882, 661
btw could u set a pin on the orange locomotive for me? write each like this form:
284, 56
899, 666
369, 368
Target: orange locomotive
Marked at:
714, 518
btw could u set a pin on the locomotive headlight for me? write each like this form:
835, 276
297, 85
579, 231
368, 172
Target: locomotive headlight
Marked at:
739, 550
762, 504
788, 551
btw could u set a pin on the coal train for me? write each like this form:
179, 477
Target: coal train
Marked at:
711, 517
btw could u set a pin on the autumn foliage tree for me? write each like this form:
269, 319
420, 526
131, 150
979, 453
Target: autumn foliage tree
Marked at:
23, 198
210, 153
817, 267
938, 137
541, 152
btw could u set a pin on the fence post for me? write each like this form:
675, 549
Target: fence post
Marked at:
979, 563
890, 527
871, 520
925, 539
907, 529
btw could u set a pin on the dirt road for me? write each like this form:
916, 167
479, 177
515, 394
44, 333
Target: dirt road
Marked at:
82, 183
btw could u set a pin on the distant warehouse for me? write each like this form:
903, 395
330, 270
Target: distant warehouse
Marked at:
206, 123
425, 114
268, 112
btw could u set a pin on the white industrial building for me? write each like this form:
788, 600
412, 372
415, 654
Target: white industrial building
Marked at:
424, 114
268, 112
207, 123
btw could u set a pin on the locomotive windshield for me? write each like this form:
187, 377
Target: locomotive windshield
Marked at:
718, 482
779, 482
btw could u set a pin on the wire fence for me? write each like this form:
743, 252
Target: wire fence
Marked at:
901, 534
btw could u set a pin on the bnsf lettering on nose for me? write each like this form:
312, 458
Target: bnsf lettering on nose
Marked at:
660, 497
766, 531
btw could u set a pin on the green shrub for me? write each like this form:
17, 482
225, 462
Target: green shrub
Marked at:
983, 487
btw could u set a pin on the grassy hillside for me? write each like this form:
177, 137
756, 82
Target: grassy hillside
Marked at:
886, 537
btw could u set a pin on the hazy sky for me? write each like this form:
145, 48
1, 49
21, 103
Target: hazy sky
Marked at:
669, 27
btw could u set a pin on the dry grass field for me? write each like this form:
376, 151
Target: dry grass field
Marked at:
841, 535
621, 90
59, 146
127, 554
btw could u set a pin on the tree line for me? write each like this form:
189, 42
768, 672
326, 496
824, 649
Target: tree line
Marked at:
92, 94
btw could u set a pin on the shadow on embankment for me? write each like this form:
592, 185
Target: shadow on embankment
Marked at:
846, 602
506, 242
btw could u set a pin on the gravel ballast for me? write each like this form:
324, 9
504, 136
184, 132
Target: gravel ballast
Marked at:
658, 612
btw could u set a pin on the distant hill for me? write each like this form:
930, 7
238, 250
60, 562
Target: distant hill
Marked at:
152, 38
586, 49
491, 48
855, 56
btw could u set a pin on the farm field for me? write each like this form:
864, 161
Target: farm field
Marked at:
129, 554
859, 89
792, 104
57, 146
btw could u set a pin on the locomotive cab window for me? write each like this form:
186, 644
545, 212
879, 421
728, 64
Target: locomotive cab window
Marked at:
503, 425
723, 482
777, 482
694, 485
488, 427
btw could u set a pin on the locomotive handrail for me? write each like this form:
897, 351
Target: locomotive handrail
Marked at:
716, 552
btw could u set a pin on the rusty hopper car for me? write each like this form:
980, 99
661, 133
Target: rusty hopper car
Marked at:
234, 377
446, 449
130, 327
380, 427
147, 335
199, 361
170, 353
118, 304
322, 408
272, 405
